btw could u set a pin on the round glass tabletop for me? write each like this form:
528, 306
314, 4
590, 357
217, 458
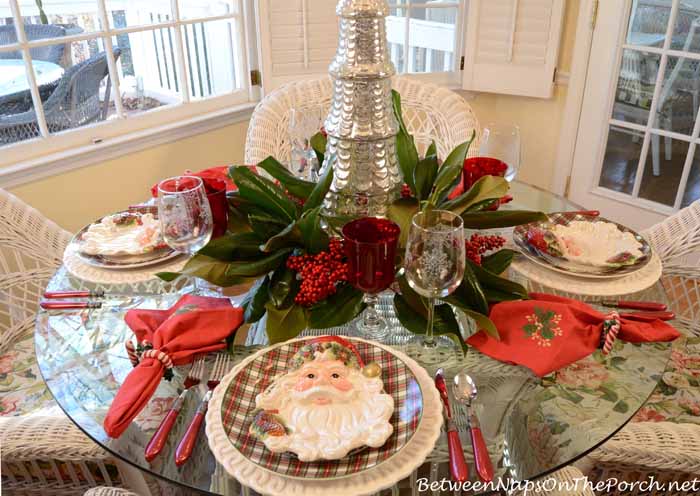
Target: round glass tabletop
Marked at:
532, 426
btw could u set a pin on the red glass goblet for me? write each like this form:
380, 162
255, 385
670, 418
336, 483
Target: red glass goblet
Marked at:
370, 247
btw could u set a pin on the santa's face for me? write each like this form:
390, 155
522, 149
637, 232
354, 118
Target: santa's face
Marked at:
323, 383
328, 409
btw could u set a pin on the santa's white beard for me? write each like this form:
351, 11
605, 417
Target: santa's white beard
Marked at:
331, 431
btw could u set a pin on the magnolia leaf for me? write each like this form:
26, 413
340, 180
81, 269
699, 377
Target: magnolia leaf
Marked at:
319, 192
289, 236
450, 171
265, 226
263, 193
259, 267
318, 143
432, 150
337, 309
237, 220
483, 323
314, 237
416, 301
486, 188
298, 187
469, 294
233, 246
402, 212
444, 320
254, 302
498, 262
501, 218
424, 176
336, 222
405, 145
284, 324
283, 287
209, 269
504, 289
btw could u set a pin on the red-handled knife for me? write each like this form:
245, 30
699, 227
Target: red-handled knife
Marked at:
69, 305
458, 465
650, 306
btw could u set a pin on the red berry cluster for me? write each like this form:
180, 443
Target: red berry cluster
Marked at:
478, 245
320, 273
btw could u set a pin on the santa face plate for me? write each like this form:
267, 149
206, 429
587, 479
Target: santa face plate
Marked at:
307, 417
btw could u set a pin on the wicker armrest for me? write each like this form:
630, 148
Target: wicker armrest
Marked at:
654, 445
39, 437
109, 491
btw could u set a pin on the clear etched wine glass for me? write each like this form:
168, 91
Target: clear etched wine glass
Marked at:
502, 142
185, 215
434, 268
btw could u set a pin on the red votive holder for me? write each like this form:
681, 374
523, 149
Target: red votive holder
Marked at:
216, 194
370, 245
477, 167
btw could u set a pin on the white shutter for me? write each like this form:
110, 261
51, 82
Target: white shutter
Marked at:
512, 46
298, 39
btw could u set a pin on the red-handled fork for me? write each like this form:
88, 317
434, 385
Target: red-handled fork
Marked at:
189, 440
157, 442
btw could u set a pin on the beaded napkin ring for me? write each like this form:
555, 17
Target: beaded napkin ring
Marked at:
145, 350
611, 327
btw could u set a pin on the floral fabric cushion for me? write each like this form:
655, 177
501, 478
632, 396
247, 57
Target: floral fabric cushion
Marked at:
22, 390
677, 397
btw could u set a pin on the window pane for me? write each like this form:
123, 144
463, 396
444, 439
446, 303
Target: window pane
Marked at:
648, 23
124, 14
210, 54
692, 188
686, 32
432, 40
74, 92
57, 19
17, 118
196, 9
663, 169
148, 72
635, 86
7, 31
621, 159
680, 96
396, 36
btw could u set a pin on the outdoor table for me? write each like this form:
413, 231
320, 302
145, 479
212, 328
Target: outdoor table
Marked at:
13, 77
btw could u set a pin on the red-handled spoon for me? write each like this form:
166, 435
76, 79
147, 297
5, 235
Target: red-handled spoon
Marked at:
465, 391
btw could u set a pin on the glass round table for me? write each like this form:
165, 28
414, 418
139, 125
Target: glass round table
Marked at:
533, 426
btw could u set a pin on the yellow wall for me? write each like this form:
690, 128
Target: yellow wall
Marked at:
539, 119
80, 196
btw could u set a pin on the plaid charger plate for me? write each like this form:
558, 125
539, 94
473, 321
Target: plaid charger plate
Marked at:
238, 406
537, 243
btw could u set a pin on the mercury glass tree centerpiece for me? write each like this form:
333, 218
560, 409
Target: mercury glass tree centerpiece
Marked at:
361, 125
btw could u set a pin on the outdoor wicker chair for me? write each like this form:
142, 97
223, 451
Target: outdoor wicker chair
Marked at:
663, 439
43, 452
49, 53
74, 103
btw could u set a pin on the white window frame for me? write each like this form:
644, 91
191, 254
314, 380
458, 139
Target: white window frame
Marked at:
453, 78
46, 155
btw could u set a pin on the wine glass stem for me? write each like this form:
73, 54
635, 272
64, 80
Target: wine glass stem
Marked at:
371, 318
429, 337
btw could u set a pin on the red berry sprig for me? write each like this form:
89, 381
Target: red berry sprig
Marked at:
478, 245
320, 274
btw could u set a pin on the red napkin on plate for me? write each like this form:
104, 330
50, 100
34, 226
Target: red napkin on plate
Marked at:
211, 178
194, 325
549, 332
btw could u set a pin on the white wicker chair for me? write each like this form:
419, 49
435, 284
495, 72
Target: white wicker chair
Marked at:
43, 452
109, 491
430, 112
668, 450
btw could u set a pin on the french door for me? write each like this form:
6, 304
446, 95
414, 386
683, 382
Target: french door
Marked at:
635, 157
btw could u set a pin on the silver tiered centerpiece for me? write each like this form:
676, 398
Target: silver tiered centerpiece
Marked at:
361, 125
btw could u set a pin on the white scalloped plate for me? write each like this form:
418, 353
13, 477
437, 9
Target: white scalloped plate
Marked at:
379, 477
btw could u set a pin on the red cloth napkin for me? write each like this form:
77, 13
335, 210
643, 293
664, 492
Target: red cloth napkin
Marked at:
212, 178
549, 332
194, 325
